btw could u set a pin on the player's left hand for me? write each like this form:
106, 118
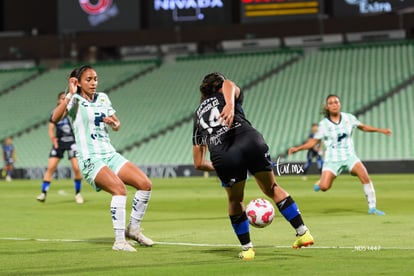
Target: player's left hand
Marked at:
111, 122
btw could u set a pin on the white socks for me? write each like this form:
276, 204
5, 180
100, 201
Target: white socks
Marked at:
139, 206
370, 195
118, 216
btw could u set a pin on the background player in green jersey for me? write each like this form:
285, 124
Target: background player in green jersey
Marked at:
105, 169
335, 130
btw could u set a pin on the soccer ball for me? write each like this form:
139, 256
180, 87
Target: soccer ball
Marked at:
260, 212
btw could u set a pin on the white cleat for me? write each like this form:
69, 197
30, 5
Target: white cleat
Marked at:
8, 178
136, 235
41, 197
123, 246
79, 198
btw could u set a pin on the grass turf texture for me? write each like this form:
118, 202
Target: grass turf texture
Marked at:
60, 237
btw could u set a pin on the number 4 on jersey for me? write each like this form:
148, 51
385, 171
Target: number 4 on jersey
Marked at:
213, 120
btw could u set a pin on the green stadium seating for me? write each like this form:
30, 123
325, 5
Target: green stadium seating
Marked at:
10, 78
33, 101
282, 106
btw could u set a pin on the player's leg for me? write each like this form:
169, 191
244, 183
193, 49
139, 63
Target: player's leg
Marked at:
108, 181
77, 181
319, 162
9, 171
47, 177
325, 183
286, 205
307, 164
359, 170
135, 177
238, 217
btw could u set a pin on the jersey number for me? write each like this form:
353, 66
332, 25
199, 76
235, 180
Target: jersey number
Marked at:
213, 120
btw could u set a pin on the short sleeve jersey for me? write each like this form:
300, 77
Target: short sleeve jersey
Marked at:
91, 133
8, 153
208, 130
337, 137
64, 131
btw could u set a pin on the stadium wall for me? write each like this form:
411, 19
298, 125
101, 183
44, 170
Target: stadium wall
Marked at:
172, 171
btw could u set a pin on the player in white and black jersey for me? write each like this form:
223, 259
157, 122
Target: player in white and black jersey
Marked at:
63, 140
336, 130
235, 147
92, 117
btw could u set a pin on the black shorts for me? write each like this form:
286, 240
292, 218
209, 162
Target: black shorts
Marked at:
248, 152
58, 152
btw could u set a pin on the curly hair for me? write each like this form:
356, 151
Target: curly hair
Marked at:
211, 84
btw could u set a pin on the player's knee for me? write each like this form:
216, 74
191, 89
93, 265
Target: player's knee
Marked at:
118, 190
324, 189
146, 185
324, 186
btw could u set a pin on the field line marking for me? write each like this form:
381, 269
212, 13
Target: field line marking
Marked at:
356, 248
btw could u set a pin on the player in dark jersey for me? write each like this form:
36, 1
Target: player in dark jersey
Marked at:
9, 157
235, 147
313, 153
62, 138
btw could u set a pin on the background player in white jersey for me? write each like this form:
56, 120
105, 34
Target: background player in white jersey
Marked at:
92, 115
62, 138
235, 148
335, 130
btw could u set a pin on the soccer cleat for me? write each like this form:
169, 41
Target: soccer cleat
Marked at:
375, 211
41, 197
8, 178
247, 255
316, 187
123, 246
304, 240
79, 198
136, 235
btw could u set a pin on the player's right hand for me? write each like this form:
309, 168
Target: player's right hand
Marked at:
73, 85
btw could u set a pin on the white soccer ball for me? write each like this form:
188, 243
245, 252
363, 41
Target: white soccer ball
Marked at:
260, 212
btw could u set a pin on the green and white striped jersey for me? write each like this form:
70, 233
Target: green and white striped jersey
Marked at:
337, 137
91, 133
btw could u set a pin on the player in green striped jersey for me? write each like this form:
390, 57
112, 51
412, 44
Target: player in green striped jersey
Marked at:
335, 130
92, 116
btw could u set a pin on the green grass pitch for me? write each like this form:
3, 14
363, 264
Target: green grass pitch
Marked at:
187, 217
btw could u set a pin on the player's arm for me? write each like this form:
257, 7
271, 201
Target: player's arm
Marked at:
231, 92
199, 158
60, 111
310, 143
51, 133
368, 128
113, 122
